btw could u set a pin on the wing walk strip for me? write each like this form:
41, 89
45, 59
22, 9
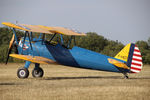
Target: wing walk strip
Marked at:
136, 64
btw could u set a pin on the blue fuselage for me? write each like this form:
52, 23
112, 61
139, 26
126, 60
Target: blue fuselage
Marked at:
75, 57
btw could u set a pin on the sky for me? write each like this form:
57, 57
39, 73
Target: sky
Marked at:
123, 20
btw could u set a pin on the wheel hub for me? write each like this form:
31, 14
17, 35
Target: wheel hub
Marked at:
22, 73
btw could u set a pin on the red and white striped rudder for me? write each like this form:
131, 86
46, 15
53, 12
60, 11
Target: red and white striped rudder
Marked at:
136, 61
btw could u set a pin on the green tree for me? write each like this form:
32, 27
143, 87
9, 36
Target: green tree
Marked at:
112, 48
149, 41
92, 42
5, 37
145, 51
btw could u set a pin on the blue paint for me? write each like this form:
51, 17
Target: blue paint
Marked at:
130, 54
23, 42
92, 60
75, 57
27, 64
37, 65
40, 35
14, 32
69, 42
31, 36
62, 55
62, 41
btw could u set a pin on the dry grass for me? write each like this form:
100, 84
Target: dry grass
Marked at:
66, 83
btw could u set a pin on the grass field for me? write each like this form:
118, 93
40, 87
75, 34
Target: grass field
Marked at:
66, 83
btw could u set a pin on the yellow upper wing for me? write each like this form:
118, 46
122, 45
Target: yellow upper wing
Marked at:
35, 59
30, 28
62, 30
43, 29
14, 26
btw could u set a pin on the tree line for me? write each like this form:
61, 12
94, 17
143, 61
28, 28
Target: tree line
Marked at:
92, 41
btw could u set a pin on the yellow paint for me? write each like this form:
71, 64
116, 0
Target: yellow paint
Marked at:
43, 29
11, 42
61, 30
118, 63
51, 29
123, 54
35, 59
54, 42
14, 26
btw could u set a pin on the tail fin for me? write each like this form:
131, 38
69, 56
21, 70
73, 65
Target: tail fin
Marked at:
131, 54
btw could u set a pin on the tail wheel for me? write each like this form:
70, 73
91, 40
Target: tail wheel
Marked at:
23, 73
126, 76
37, 72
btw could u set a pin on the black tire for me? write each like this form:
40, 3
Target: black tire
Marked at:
23, 73
37, 72
126, 77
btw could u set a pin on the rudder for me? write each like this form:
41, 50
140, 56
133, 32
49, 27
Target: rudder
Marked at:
131, 54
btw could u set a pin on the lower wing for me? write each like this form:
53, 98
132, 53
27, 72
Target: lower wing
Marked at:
34, 59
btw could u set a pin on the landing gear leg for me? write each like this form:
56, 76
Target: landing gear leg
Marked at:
37, 71
23, 72
125, 76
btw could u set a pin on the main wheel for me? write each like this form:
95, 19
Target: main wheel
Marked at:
23, 73
37, 72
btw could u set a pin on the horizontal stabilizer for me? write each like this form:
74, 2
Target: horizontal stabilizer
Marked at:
35, 59
118, 63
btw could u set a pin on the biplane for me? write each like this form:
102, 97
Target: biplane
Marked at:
43, 50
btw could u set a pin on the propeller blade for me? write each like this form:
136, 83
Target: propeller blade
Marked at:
12, 41
10, 47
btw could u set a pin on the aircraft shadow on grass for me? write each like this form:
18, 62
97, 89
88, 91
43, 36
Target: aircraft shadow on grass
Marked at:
84, 77
9, 83
92, 77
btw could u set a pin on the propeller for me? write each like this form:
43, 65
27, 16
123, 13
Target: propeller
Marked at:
10, 47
